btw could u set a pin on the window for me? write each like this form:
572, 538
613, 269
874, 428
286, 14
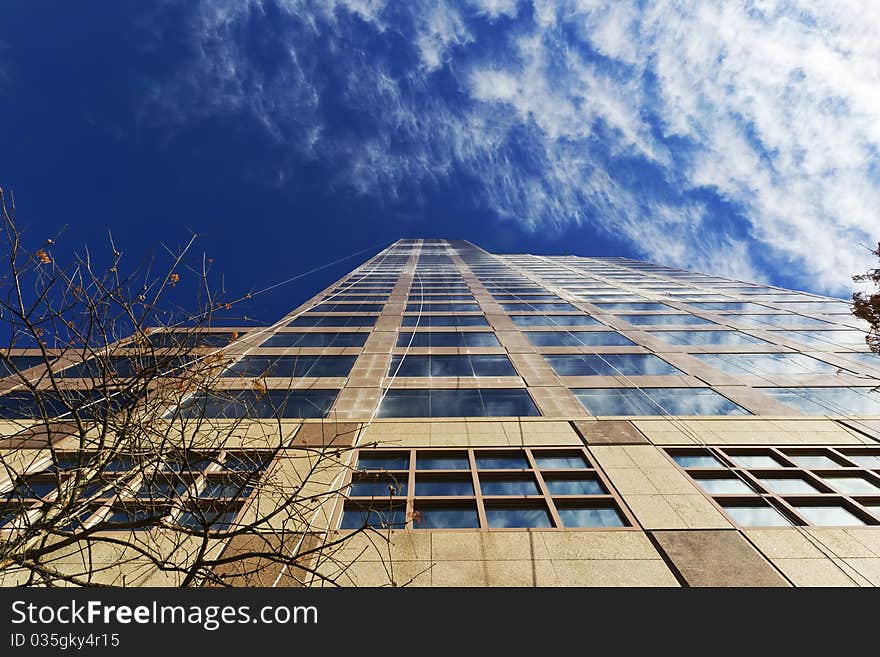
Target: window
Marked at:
787, 320
442, 307
827, 340
869, 359
316, 340
291, 366
660, 320
357, 297
347, 308
764, 364
577, 338
440, 297
494, 488
632, 306
447, 339
437, 402
728, 338
770, 486
554, 320
729, 305
451, 366
538, 307
250, 404
444, 320
190, 339
822, 307
333, 320
11, 364
828, 401
610, 365
656, 401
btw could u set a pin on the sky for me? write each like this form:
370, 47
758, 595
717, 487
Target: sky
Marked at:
736, 138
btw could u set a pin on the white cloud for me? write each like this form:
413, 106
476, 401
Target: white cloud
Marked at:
581, 110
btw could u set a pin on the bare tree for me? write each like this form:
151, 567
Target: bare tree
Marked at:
129, 456
866, 305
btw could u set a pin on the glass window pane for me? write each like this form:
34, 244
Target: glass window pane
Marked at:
697, 461
574, 486
590, 517
813, 461
383, 461
828, 401
509, 486
457, 403
249, 404
355, 518
707, 337
610, 365
316, 340
439, 461
656, 401
517, 517
660, 320
853, 485
865, 460
723, 485
560, 461
763, 364
576, 338
829, 515
489, 461
759, 515
378, 486
438, 517
755, 461
554, 320
444, 486
788, 485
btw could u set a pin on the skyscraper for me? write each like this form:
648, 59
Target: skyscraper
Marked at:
523, 420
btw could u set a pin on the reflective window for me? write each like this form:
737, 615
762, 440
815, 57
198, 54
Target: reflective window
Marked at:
444, 320
291, 366
626, 307
828, 401
442, 307
697, 461
457, 403
510, 517
722, 485
538, 307
869, 359
251, 404
610, 365
447, 339
509, 488
476, 365
576, 338
825, 307
707, 337
316, 340
656, 401
333, 320
589, 516
788, 485
828, 515
554, 320
729, 305
827, 340
659, 320
179, 339
763, 364
755, 461
347, 308
787, 320
852, 485
756, 515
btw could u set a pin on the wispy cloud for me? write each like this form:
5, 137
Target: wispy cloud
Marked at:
733, 137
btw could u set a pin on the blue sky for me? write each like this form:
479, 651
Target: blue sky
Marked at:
739, 138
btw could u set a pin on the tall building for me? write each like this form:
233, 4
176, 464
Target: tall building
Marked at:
524, 420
